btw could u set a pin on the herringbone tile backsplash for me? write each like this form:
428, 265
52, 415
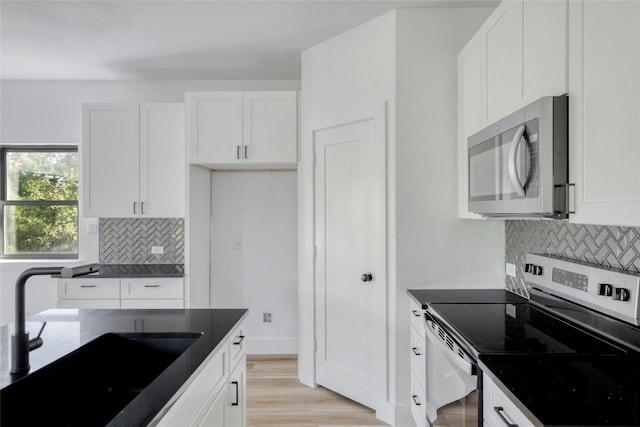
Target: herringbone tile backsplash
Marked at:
609, 246
129, 240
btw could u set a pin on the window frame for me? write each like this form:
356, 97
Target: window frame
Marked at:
4, 149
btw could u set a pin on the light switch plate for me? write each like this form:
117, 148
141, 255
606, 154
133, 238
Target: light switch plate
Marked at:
157, 250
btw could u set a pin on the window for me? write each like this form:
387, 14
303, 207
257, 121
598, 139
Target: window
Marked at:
39, 202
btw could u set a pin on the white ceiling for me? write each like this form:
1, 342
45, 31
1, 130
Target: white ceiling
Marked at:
215, 39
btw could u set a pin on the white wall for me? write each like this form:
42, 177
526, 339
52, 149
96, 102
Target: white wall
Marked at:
433, 247
407, 58
50, 112
254, 244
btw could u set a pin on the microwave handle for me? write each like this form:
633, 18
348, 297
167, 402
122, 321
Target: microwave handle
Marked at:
513, 152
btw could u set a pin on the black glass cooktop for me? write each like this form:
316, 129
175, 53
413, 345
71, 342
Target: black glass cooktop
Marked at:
579, 390
519, 328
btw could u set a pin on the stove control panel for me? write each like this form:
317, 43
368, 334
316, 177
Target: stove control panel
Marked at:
611, 291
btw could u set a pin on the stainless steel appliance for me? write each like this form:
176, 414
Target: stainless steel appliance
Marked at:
518, 166
580, 316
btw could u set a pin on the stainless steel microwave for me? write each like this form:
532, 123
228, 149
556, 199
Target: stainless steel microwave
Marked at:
519, 166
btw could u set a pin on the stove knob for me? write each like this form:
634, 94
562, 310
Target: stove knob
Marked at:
605, 289
621, 294
536, 270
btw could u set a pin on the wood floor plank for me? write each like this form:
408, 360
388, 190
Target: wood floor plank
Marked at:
275, 398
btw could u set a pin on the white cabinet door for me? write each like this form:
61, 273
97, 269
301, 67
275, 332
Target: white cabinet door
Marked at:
544, 41
604, 111
498, 410
214, 127
471, 68
236, 415
110, 160
269, 127
216, 413
503, 40
162, 160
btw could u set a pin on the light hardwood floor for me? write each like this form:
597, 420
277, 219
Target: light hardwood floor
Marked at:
275, 397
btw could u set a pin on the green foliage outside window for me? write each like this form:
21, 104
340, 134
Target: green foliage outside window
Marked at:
40, 209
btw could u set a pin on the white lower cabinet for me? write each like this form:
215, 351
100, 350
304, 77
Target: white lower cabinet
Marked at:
216, 394
163, 292
498, 410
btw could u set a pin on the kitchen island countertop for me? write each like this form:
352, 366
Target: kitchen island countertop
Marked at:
69, 329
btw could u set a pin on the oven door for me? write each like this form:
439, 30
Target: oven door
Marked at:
450, 370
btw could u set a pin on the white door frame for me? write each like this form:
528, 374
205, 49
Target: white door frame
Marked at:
382, 371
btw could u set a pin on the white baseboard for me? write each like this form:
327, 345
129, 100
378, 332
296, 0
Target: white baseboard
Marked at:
272, 345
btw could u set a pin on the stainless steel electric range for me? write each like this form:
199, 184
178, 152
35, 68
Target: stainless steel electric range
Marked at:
569, 355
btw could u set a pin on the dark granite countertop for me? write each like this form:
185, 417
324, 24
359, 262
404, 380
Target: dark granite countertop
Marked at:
69, 329
570, 390
114, 271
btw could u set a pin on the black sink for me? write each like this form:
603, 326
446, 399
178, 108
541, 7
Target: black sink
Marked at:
91, 385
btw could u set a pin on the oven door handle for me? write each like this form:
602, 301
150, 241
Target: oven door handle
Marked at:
464, 362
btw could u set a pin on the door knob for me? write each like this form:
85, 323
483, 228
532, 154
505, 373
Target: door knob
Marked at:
366, 277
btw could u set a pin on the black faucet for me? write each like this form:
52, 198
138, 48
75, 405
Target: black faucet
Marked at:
21, 345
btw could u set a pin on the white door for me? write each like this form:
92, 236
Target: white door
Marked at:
350, 240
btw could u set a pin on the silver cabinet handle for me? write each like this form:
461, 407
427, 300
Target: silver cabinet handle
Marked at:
513, 152
245, 152
499, 410
87, 286
239, 340
238, 152
415, 351
135, 204
142, 207
415, 400
151, 286
416, 313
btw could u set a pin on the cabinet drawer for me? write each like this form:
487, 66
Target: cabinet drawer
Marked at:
417, 317
498, 409
237, 344
152, 303
152, 288
89, 289
418, 357
418, 405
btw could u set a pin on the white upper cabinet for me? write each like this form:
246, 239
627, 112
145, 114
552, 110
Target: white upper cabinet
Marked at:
133, 160
214, 126
269, 132
162, 160
544, 41
518, 55
250, 130
503, 47
604, 111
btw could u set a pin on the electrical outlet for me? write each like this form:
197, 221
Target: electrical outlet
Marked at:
511, 269
157, 250
267, 318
